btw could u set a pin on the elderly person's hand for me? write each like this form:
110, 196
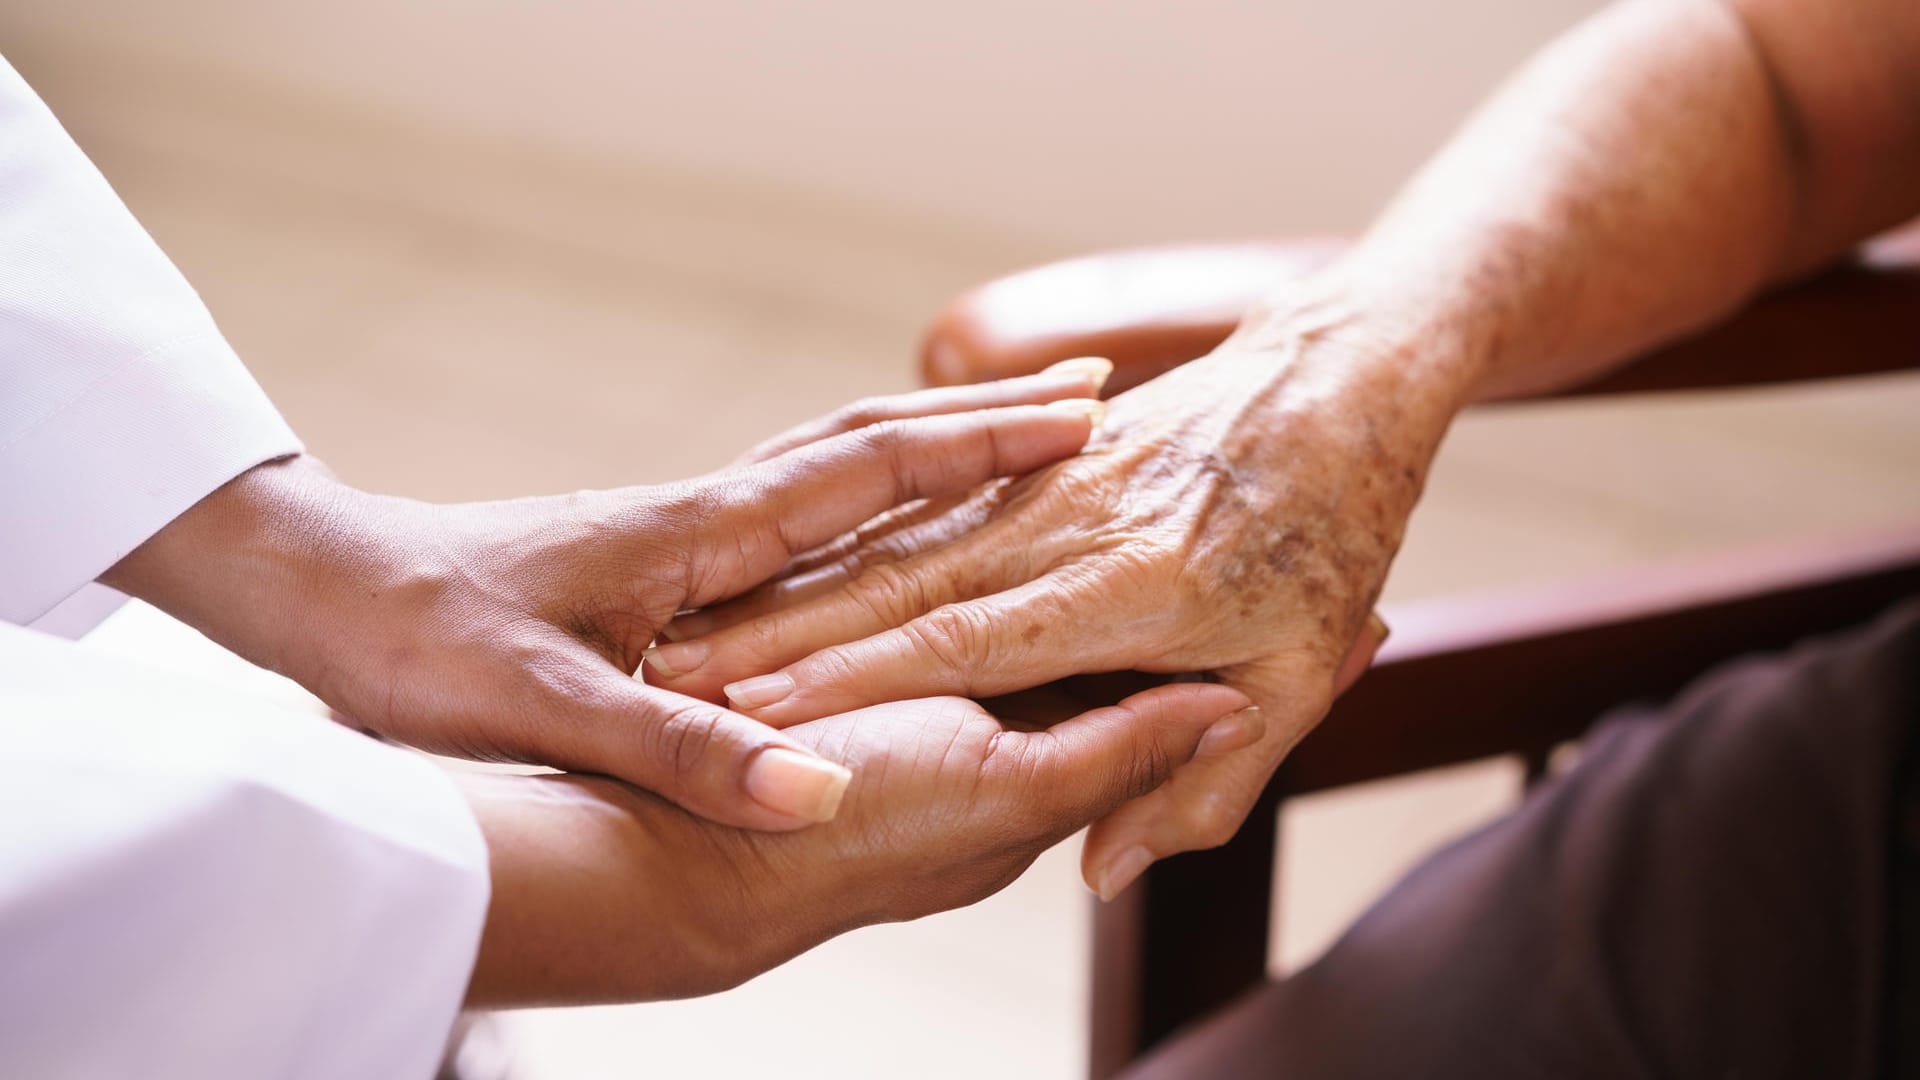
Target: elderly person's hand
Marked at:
510, 630
603, 893
1234, 516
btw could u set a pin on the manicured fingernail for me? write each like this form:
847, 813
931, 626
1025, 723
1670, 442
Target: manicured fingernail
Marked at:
1379, 625
1095, 411
676, 659
1122, 870
796, 784
1236, 732
759, 691
1095, 369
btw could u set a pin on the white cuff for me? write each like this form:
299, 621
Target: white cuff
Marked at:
155, 435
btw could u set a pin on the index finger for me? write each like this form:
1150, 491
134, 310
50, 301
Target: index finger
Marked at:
809, 495
1079, 377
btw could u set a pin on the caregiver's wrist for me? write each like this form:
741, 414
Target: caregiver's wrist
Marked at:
240, 564
603, 893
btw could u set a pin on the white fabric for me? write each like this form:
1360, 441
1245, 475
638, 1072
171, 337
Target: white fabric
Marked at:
120, 403
199, 885
192, 883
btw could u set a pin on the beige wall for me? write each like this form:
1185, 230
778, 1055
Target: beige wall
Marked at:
1071, 122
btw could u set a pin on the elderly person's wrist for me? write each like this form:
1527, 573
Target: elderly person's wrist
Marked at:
1357, 332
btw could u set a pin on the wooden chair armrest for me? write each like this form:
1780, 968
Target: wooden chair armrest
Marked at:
1150, 309
1524, 671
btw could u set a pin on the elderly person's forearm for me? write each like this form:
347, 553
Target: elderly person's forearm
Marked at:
1642, 177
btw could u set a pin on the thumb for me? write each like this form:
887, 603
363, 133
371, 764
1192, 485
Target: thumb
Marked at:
1360, 657
1087, 766
708, 760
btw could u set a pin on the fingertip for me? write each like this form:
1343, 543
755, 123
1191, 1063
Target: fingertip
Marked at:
1096, 370
759, 692
1093, 409
1199, 703
674, 660
1360, 657
1234, 733
1026, 437
775, 701
1112, 877
797, 785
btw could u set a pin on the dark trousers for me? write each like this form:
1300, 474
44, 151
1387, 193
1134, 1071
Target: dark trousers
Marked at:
1728, 886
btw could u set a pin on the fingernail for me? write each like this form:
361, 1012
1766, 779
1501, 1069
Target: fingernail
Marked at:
759, 691
796, 784
670, 632
675, 659
1236, 732
1095, 369
1122, 870
1379, 625
1095, 411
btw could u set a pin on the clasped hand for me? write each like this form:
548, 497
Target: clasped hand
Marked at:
1235, 516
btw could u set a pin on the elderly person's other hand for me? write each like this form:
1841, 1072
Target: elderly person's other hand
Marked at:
604, 893
1234, 516
510, 630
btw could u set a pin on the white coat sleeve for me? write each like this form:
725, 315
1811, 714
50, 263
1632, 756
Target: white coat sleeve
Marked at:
194, 885
121, 405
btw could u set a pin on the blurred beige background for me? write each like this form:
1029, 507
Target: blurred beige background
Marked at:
480, 248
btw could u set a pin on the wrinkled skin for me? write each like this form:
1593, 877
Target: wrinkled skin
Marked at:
1235, 516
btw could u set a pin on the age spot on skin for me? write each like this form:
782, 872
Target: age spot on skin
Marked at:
1284, 553
1034, 632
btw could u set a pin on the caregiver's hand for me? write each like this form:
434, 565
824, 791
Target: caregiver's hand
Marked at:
602, 893
1236, 515
509, 630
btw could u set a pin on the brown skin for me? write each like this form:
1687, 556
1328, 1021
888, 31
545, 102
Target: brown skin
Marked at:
605, 893
1646, 175
509, 630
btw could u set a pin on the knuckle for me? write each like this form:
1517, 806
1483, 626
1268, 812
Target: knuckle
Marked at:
954, 637
694, 504
1210, 821
683, 742
885, 435
924, 461
829, 668
761, 637
1146, 770
1077, 485
1143, 573
864, 412
1014, 760
890, 593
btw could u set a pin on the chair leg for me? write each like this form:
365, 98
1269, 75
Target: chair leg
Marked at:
1188, 937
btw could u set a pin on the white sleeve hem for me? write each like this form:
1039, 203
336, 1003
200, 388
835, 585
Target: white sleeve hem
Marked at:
141, 445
